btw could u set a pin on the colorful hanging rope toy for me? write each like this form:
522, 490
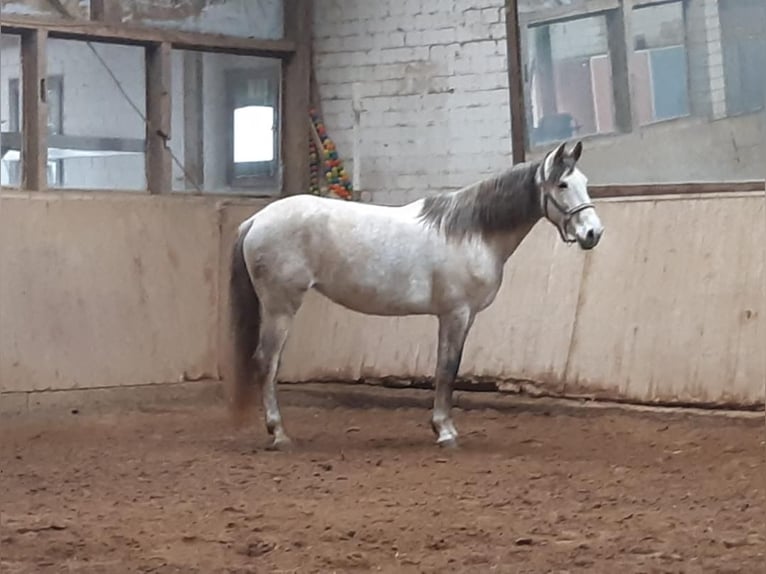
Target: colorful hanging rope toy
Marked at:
337, 179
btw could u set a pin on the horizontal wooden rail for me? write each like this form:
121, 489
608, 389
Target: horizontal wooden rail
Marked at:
596, 191
144, 36
14, 141
692, 188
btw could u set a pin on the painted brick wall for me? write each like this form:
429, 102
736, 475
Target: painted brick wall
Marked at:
706, 75
432, 75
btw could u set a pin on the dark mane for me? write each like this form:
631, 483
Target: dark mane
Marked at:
494, 205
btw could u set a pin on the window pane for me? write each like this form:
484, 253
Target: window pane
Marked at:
242, 18
10, 110
253, 134
658, 63
569, 78
681, 98
225, 123
97, 106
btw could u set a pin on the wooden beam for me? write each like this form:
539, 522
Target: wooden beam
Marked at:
159, 173
194, 147
650, 3
34, 146
356, 105
14, 141
691, 188
515, 82
617, 26
141, 35
296, 98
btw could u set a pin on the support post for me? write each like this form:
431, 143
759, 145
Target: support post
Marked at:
159, 173
194, 147
34, 147
296, 98
357, 107
618, 31
515, 82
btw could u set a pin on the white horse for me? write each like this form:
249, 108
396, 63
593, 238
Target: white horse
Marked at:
442, 256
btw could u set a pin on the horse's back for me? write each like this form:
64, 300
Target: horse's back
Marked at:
310, 214
297, 210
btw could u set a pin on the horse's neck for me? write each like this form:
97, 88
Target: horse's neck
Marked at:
507, 242
504, 244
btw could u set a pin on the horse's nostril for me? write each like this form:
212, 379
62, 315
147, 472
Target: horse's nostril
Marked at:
590, 235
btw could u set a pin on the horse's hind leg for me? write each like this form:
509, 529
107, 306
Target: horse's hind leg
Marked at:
275, 327
274, 331
453, 329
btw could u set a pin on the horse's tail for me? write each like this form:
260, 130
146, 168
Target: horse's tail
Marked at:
245, 323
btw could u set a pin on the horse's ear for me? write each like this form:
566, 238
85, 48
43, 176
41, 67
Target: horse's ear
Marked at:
577, 151
558, 154
554, 160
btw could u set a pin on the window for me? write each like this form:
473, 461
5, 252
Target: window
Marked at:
10, 115
569, 80
103, 144
667, 84
225, 123
658, 63
12, 158
253, 135
219, 72
253, 114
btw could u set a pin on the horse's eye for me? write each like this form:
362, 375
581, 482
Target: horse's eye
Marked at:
563, 185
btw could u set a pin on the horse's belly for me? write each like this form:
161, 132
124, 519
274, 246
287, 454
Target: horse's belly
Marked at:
405, 274
387, 296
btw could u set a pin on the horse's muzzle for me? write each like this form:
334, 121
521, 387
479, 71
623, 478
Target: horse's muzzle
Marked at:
590, 238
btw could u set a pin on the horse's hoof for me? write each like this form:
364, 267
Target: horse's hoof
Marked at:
448, 443
283, 444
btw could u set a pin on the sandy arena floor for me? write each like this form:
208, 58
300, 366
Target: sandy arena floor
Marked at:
534, 490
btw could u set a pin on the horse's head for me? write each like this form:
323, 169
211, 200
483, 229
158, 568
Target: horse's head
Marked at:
564, 198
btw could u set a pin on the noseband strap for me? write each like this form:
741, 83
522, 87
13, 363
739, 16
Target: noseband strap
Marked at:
566, 214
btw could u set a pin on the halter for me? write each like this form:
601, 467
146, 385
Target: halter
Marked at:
566, 214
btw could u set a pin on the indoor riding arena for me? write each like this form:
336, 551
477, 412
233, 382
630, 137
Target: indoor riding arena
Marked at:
608, 408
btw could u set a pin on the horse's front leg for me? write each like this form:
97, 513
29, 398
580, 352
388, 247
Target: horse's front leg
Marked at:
453, 329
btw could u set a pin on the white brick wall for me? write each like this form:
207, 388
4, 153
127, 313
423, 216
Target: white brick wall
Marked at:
435, 91
715, 59
703, 37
